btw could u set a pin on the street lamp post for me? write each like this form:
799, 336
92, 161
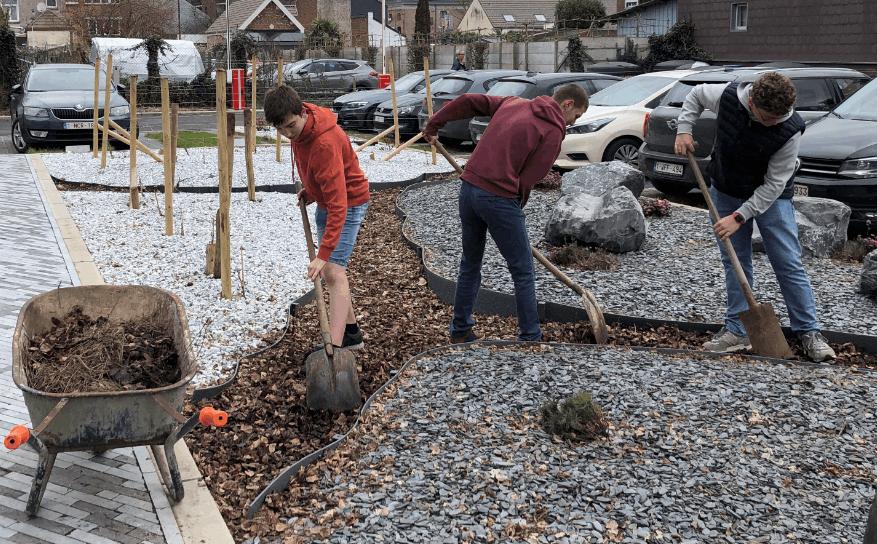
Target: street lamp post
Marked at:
383, 33
227, 39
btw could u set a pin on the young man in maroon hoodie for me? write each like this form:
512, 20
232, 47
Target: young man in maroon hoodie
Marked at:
516, 150
332, 178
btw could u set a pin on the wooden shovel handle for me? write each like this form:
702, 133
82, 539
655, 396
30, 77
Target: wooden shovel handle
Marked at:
557, 272
729, 248
446, 155
318, 284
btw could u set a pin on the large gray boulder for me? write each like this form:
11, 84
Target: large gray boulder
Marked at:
599, 178
613, 221
822, 226
868, 281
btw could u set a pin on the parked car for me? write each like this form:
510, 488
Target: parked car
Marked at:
326, 74
55, 106
838, 156
612, 128
452, 86
356, 110
818, 91
534, 85
615, 68
408, 107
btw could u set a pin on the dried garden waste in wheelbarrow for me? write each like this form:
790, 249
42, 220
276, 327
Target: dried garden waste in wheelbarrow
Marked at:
80, 354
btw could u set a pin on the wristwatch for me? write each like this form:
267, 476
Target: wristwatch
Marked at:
739, 218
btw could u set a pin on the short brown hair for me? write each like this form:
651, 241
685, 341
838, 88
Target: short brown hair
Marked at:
280, 103
773, 93
571, 92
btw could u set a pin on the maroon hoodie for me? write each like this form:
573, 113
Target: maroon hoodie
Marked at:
519, 145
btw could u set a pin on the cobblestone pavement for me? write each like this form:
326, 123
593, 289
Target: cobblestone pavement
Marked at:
115, 497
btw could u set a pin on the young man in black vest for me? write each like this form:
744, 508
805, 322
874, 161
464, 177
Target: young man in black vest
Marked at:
752, 169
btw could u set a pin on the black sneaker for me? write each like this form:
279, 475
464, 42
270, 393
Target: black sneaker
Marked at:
350, 341
464, 338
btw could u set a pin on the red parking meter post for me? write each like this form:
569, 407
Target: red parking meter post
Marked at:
237, 89
383, 80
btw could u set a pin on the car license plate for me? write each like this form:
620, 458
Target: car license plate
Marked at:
379, 119
477, 137
801, 190
84, 124
668, 168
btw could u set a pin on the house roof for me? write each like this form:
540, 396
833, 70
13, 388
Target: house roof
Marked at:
50, 19
644, 4
241, 13
521, 12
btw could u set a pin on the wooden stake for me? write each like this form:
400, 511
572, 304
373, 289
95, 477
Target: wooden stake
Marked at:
175, 117
393, 92
279, 83
109, 81
253, 118
124, 136
169, 162
243, 289
229, 127
224, 238
402, 147
376, 138
95, 144
134, 193
249, 148
429, 98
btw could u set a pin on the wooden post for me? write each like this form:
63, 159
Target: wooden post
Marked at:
279, 83
168, 159
95, 143
125, 137
375, 139
134, 196
106, 141
249, 138
229, 127
429, 97
393, 92
223, 240
175, 117
254, 107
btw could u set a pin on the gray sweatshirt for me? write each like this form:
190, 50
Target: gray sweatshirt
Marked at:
781, 165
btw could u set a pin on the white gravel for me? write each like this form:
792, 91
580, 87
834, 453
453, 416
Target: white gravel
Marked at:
129, 247
197, 167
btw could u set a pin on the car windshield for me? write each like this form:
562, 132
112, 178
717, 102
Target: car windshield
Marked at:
295, 67
408, 82
63, 79
677, 94
862, 105
451, 85
630, 91
510, 88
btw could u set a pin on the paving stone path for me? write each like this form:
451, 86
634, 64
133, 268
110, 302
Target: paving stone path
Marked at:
115, 497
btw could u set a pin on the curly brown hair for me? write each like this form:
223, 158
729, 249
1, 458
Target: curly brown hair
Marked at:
773, 93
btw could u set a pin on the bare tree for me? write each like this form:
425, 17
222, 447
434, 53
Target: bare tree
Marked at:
122, 18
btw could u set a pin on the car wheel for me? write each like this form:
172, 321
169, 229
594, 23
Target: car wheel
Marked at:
369, 123
18, 139
625, 150
670, 187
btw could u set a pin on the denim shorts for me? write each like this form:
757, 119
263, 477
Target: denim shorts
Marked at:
355, 215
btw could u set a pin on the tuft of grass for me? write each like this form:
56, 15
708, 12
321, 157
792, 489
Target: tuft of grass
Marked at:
573, 255
188, 139
655, 207
577, 417
855, 251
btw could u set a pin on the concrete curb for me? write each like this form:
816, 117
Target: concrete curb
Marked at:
196, 519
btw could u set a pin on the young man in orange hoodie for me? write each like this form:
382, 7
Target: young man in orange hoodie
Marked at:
517, 150
332, 178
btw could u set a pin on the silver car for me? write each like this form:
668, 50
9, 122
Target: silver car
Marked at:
331, 74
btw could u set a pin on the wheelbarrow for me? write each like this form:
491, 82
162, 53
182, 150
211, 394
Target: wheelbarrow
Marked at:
99, 421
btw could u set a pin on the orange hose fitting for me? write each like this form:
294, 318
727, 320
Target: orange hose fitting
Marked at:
16, 437
209, 416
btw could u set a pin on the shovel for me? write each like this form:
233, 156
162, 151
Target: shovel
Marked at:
332, 379
589, 301
760, 320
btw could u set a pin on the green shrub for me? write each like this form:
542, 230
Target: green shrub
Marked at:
855, 251
578, 417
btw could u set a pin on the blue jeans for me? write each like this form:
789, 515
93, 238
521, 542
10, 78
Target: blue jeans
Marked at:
341, 253
780, 233
482, 212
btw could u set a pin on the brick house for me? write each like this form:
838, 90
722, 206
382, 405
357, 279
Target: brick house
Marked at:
486, 17
38, 23
265, 20
444, 15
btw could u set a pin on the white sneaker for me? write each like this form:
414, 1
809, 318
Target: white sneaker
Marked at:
816, 346
726, 341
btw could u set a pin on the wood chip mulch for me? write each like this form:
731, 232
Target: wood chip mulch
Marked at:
270, 426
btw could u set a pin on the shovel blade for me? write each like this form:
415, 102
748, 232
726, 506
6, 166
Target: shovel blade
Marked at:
595, 315
765, 333
332, 382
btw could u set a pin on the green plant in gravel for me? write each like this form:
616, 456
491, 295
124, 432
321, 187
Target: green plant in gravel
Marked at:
655, 207
582, 257
550, 182
577, 417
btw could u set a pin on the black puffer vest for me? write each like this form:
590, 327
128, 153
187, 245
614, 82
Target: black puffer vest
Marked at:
744, 147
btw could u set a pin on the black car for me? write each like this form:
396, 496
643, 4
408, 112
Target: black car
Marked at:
615, 68
407, 106
55, 106
818, 90
356, 110
452, 86
534, 85
838, 155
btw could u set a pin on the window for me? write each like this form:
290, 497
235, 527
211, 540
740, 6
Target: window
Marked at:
11, 8
849, 86
601, 84
539, 17
583, 83
739, 17
630, 3
813, 95
509, 18
51, 3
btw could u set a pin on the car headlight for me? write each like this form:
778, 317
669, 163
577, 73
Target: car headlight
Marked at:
406, 109
119, 110
859, 168
587, 128
354, 105
36, 112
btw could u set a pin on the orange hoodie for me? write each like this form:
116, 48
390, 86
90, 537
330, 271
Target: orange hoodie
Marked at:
330, 172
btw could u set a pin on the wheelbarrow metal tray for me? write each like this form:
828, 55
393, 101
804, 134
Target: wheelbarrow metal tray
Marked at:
104, 420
